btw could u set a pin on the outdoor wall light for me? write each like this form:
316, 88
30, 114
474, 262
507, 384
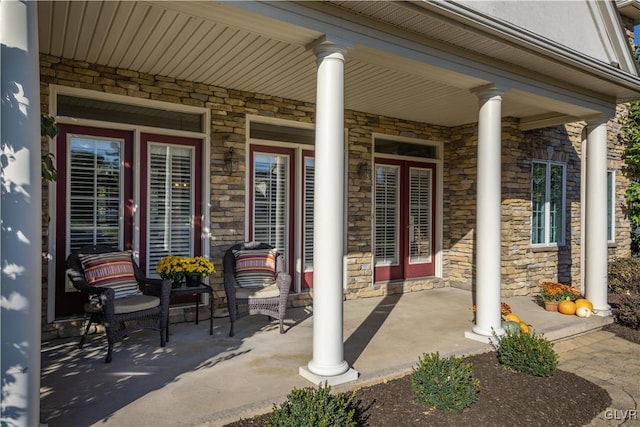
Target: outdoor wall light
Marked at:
230, 161
364, 171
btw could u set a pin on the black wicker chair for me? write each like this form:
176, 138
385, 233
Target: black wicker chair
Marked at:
148, 310
274, 301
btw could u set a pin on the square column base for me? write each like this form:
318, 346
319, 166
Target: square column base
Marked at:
350, 375
477, 337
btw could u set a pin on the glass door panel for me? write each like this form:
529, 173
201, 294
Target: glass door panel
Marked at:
387, 222
170, 198
171, 202
272, 202
307, 218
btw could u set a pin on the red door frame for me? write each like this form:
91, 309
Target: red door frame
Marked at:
71, 303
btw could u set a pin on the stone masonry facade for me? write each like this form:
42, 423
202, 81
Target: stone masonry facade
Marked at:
522, 267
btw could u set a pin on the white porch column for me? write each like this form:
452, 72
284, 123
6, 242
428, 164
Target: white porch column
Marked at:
488, 213
595, 236
328, 362
20, 215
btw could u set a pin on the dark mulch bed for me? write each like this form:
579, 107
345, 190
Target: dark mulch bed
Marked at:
623, 332
506, 399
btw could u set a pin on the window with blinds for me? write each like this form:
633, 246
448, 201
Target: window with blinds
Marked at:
387, 215
419, 215
171, 206
270, 199
309, 181
95, 191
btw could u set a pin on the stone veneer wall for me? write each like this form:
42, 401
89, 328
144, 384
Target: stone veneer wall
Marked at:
522, 267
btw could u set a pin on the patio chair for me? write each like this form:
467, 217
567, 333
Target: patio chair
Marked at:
255, 277
119, 294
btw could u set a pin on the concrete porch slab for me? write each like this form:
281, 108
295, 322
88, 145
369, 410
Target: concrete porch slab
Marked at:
203, 380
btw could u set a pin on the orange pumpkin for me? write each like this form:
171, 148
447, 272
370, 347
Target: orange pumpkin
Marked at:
583, 302
567, 307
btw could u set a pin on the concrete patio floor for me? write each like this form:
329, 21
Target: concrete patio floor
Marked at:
203, 380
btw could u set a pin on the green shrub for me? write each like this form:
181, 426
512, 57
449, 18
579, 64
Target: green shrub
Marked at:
627, 312
445, 384
624, 275
310, 407
527, 353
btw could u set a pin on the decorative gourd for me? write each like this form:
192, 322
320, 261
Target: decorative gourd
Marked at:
511, 317
583, 302
524, 328
510, 326
583, 311
567, 307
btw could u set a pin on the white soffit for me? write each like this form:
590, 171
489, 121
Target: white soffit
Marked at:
226, 46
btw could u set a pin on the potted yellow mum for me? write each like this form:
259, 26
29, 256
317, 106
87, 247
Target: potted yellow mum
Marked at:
176, 268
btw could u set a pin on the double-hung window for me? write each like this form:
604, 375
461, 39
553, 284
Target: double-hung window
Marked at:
547, 203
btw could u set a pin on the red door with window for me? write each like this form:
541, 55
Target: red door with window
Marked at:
405, 221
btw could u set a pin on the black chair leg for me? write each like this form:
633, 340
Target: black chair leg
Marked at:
109, 353
86, 331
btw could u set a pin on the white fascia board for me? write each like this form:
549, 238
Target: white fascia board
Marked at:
357, 30
617, 37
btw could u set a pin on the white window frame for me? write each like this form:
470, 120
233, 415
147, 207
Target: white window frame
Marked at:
547, 203
611, 203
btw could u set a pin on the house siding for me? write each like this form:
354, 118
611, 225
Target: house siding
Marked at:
522, 267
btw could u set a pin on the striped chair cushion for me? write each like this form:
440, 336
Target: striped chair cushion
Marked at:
111, 270
255, 268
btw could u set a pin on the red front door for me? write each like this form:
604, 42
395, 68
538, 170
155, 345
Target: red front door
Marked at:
405, 220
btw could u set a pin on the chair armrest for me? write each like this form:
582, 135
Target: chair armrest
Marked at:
80, 282
283, 280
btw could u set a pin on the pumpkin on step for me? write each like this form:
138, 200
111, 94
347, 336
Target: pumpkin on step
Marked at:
583, 302
583, 311
567, 307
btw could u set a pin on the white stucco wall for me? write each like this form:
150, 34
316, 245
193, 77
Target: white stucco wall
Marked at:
578, 25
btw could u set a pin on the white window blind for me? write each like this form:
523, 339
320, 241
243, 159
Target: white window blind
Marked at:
270, 199
171, 210
419, 215
95, 202
309, 181
387, 215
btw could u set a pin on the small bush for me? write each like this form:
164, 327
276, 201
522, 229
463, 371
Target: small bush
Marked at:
310, 407
527, 353
627, 312
624, 275
445, 384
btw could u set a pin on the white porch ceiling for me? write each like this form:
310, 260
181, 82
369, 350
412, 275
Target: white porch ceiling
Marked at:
226, 46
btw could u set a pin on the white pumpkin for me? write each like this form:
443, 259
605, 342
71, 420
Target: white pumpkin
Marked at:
583, 312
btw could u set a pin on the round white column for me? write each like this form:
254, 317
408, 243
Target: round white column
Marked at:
21, 214
596, 249
488, 213
328, 233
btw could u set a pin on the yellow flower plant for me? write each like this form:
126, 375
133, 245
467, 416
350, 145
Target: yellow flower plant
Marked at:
175, 267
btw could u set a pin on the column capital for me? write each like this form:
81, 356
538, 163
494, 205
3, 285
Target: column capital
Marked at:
489, 91
327, 46
598, 119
